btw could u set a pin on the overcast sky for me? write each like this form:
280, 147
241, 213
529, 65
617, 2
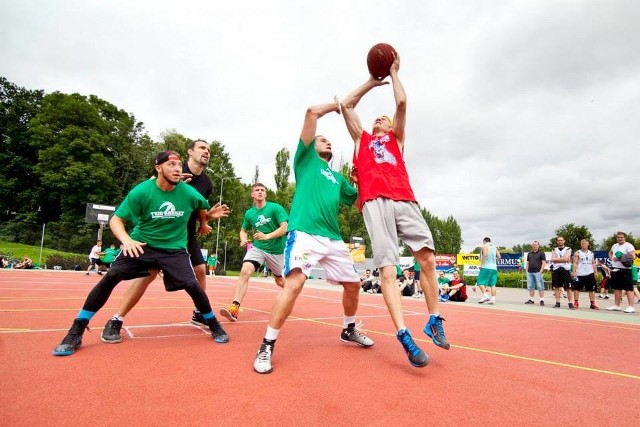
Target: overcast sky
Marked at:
522, 115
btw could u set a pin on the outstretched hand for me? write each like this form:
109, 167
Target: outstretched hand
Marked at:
218, 211
395, 67
133, 248
336, 102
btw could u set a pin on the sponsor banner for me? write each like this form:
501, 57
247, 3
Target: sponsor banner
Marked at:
509, 261
357, 251
445, 260
468, 259
471, 270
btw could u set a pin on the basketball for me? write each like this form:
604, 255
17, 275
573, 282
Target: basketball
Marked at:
379, 60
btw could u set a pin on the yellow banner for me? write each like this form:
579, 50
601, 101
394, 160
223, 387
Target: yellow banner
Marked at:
356, 251
468, 259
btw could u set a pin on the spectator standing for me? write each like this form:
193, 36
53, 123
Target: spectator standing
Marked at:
560, 277
622, 254
584, 273
536, 262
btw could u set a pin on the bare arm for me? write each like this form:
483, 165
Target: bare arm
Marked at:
348, 105
400, 116
130, 247
274, 234
311, 119
244, 239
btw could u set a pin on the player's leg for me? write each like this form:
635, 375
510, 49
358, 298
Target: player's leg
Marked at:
251, 262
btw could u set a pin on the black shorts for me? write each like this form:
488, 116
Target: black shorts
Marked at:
194, 252
621, 279
560, 278
587, 283
95, 261
416, 275
175, 265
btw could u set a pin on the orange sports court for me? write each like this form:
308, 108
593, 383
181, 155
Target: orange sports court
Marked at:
509, 364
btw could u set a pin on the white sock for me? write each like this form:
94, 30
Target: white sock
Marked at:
271, 334
349, 319
116, 317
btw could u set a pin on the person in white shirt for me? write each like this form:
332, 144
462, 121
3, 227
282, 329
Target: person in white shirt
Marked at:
622, 254
584, 274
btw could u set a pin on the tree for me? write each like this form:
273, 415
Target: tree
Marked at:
283, 170
447, 234
19, 192
256, 176
572, 235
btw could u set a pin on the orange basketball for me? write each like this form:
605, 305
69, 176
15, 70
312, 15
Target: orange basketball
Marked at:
379, 60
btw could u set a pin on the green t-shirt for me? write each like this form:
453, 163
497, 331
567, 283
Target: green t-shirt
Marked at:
110, 255
443, 281
634, 273
416, 265
160, 217
266, 220
319, 192
212, 260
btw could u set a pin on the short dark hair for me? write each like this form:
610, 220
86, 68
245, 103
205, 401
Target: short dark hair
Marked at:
258, 184
486, 240
193, 143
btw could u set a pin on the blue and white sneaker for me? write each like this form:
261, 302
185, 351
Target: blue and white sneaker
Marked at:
417, 357
435, 331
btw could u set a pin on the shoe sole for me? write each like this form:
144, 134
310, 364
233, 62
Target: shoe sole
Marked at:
263, 372
221, 341
202, 325
111, 341
431, 335
226, 313
63, 353
356, 342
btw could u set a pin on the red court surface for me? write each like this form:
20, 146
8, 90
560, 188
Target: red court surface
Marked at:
509, 364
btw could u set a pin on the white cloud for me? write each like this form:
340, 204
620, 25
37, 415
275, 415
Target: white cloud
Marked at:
522, 115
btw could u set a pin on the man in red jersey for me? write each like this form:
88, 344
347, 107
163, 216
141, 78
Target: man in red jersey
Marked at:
390, 209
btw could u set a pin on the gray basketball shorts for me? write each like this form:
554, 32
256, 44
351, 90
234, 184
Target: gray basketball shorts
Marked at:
257, 257
389, 220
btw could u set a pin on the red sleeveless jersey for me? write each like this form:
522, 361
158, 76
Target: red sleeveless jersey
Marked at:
381, 170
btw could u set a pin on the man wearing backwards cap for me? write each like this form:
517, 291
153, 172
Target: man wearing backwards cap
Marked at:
159, 209
390, 209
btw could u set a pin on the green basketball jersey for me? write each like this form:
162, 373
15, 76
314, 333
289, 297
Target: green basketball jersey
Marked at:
266, 220
160, 217
319, 192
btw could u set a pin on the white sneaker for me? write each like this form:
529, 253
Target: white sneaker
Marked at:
262, 364
614, 308
483, 300
492, 301
629, 310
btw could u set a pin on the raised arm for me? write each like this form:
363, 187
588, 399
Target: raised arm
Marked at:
311, 119
348, 105
400, 115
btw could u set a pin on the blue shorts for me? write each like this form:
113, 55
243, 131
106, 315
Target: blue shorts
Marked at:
535, 281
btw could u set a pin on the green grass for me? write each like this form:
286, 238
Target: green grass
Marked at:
18, 250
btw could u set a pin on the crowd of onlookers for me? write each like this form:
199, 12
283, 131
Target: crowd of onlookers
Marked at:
24, 263
453, 289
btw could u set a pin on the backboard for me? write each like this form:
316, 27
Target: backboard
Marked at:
98, 214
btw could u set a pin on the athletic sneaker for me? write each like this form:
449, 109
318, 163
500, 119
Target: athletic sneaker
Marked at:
111, 332
73, 340
529, 302
614, 308
570, 306
576, 305
541, 303
417, 357
350, 333
491, 301
606, 297
483, 300
218, 334
594, 306
231, 312
198, 320
435, 331
629, 310
262, 364
600, 296
557, 305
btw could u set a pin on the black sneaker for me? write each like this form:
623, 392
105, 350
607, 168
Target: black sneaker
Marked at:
218, 334
570, 306
73, 340
417, 357
557, 305
262, 364
529, 302
111, 332
541, 303
351, 334
198, 320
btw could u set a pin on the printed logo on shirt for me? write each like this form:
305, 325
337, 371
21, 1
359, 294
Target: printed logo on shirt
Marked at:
167, 211
329, 175
380, 152
262, 221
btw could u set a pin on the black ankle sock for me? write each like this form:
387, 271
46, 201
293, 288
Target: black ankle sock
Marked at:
236, 303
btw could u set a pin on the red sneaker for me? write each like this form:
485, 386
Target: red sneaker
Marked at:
594, 306
575, 304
